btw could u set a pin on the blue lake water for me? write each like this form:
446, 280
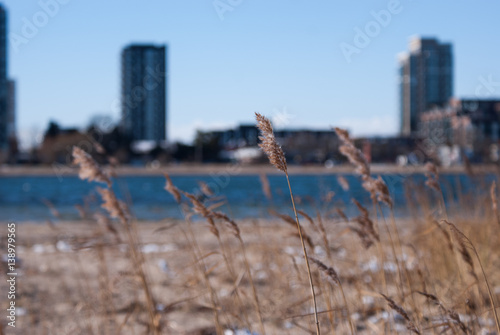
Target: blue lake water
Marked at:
25, 198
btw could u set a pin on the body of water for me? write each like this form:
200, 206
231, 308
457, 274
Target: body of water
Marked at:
28, 198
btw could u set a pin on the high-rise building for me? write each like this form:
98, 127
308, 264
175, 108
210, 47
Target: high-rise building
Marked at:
144, 92
11, 110
4, 113
425, 80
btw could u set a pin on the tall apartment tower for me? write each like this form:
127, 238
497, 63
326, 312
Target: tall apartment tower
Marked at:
4, 112
144, 90
11, 110
425, 80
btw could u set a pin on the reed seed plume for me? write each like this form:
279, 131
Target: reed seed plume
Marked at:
99, 148
494, 201
233, 226
89, 169
81, 211
342, 214
451, 313
329, 196
353, 154
288, 219
343, 183
376, 187
105, 223
306, 238
266, 188
308, 218
215, 205
493, 193
329, 271
343, 134
113, 206
464, 244
170, 188
432, 177
382, 191
369, 185
268, 143
324, 235
205, 189
201, 209
366, 239
409, 324
365, 222
366, 230
364, 211
52, 208
198, 206
445, 234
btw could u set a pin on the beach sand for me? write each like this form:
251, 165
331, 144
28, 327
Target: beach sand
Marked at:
232, 168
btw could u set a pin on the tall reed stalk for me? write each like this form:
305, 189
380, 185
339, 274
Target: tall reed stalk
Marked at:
277, 158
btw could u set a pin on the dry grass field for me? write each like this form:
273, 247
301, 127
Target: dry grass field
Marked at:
76, 278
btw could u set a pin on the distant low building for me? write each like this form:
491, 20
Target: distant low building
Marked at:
310, 146
58, 143
241, 136
300, 145
472, 125
386, 149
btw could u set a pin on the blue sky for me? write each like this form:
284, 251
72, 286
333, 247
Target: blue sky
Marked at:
281, 58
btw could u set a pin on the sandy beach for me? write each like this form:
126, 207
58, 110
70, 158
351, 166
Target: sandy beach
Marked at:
230, 168
78, 277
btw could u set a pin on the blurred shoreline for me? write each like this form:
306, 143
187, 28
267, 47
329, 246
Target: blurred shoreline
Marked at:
231, 168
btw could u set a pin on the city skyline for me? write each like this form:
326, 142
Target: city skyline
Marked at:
284, 59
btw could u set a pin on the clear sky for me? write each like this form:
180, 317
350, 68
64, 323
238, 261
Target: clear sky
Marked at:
282, 58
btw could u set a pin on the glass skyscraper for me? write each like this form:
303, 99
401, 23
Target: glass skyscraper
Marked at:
144, 89
425, 80
4, 113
